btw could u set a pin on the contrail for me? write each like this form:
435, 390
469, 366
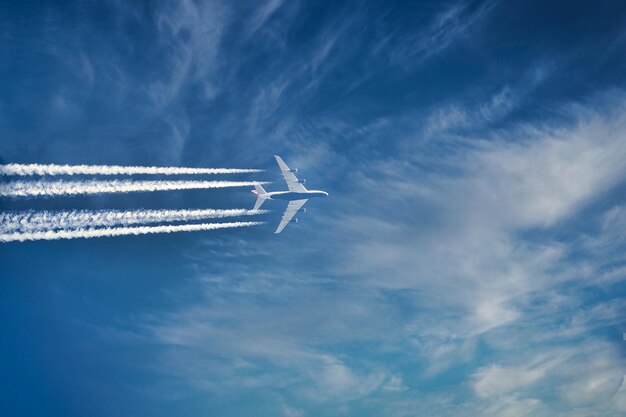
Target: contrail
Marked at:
34, 221
118, 231
57, 188
53, 169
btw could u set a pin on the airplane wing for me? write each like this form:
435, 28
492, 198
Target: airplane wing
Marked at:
292, 209
289, 176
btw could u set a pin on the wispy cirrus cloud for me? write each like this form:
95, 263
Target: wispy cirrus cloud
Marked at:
533, 178
447, 26
467, 259
592, 382
255, 339
263, 14
459, 117
191, 36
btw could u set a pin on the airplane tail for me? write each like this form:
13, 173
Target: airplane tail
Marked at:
259, 191
259, 203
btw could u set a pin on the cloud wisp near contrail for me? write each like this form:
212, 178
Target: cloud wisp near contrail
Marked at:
54, 169
68, 188
118, 231
36, 221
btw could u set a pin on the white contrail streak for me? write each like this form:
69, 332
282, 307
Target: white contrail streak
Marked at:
53, 169
34, 221
57, 188
118, 231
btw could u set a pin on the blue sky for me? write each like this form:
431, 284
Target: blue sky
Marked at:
469, 260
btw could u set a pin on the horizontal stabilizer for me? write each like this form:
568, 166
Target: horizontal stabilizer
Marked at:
259, 189
258, 204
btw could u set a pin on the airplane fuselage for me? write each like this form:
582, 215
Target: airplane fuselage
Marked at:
293, 195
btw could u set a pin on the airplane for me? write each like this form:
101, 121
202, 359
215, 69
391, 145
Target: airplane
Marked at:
297, 194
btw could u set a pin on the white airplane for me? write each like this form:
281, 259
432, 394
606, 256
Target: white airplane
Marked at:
297, 194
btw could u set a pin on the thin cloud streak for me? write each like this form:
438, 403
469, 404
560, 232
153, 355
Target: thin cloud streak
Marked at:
33, 221
61, 188
54, 169
119, 231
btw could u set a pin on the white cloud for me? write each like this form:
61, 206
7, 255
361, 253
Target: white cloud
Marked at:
586, 374
464, 114
180, 127
496, 380
546, 174
246, 343
263, 13
191, 35
515, 407
594, 380
292, 411
533, 177
619, 399
454, 242
447, 27
337, 381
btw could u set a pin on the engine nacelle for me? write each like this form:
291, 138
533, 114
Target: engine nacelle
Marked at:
295, 220
302, 210
295, 170
302, 181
